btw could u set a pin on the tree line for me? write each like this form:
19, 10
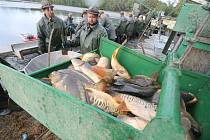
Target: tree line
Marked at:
126, 5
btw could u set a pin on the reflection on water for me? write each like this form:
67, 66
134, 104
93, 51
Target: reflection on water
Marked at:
15, 22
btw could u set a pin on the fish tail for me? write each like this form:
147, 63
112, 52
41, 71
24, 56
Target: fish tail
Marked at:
115, 52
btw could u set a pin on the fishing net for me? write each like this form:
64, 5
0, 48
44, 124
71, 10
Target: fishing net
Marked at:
198, 60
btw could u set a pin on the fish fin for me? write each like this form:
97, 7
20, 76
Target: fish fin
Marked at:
47, 79
99, 70
102, 86
122, 105
81, 57
115, 52
118, 99
155, 76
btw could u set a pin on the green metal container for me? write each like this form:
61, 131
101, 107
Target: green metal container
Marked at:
69, 118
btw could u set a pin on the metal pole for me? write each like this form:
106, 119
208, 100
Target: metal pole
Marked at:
49, 46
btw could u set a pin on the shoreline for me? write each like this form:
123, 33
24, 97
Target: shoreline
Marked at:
37, 5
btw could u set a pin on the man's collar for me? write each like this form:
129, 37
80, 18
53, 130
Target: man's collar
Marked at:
92, 27
47, 20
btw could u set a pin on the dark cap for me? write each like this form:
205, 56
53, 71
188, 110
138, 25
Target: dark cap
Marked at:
93, 10
46, 4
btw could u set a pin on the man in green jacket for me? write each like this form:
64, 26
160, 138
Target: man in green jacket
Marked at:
88, 38
106, 22
83, 22
130, 27
44, 28
120, 30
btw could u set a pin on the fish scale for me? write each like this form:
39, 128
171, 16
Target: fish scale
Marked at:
71, 81
138, 106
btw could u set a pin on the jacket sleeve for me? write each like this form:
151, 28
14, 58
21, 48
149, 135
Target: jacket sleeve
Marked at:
64, 34
41, 39
104, 34
76, 40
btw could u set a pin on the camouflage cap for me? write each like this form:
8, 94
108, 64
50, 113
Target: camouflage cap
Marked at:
70, 14
84, 11
93, 10
101, 11
46, 4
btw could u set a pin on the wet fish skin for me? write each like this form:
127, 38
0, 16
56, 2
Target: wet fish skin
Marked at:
194, 127
138, 106
86, 69
77, 63
155, 98
121, 71
46, 81
139, 80
134, 90
189, 98
106, 102
71, 82
91, 74
89, 57
104, 62
106, 74
101, 86
187, 126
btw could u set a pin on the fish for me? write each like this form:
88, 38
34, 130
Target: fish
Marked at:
136, 122
104, 62
71, 82
106, 102
123, 86
193, 125
101, 86
46, 81
187, 126
139, 107
143, 80
121, 71
106, 74
189, 99
77, 63
92, 58
86, 69
155, 98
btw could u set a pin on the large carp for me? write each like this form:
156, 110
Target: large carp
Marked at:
139, 107
121, 71
86, 69
70, 81
106, 102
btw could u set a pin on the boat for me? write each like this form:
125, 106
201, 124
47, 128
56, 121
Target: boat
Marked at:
25, 48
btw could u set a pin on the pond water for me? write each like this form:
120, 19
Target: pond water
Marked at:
17, 21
